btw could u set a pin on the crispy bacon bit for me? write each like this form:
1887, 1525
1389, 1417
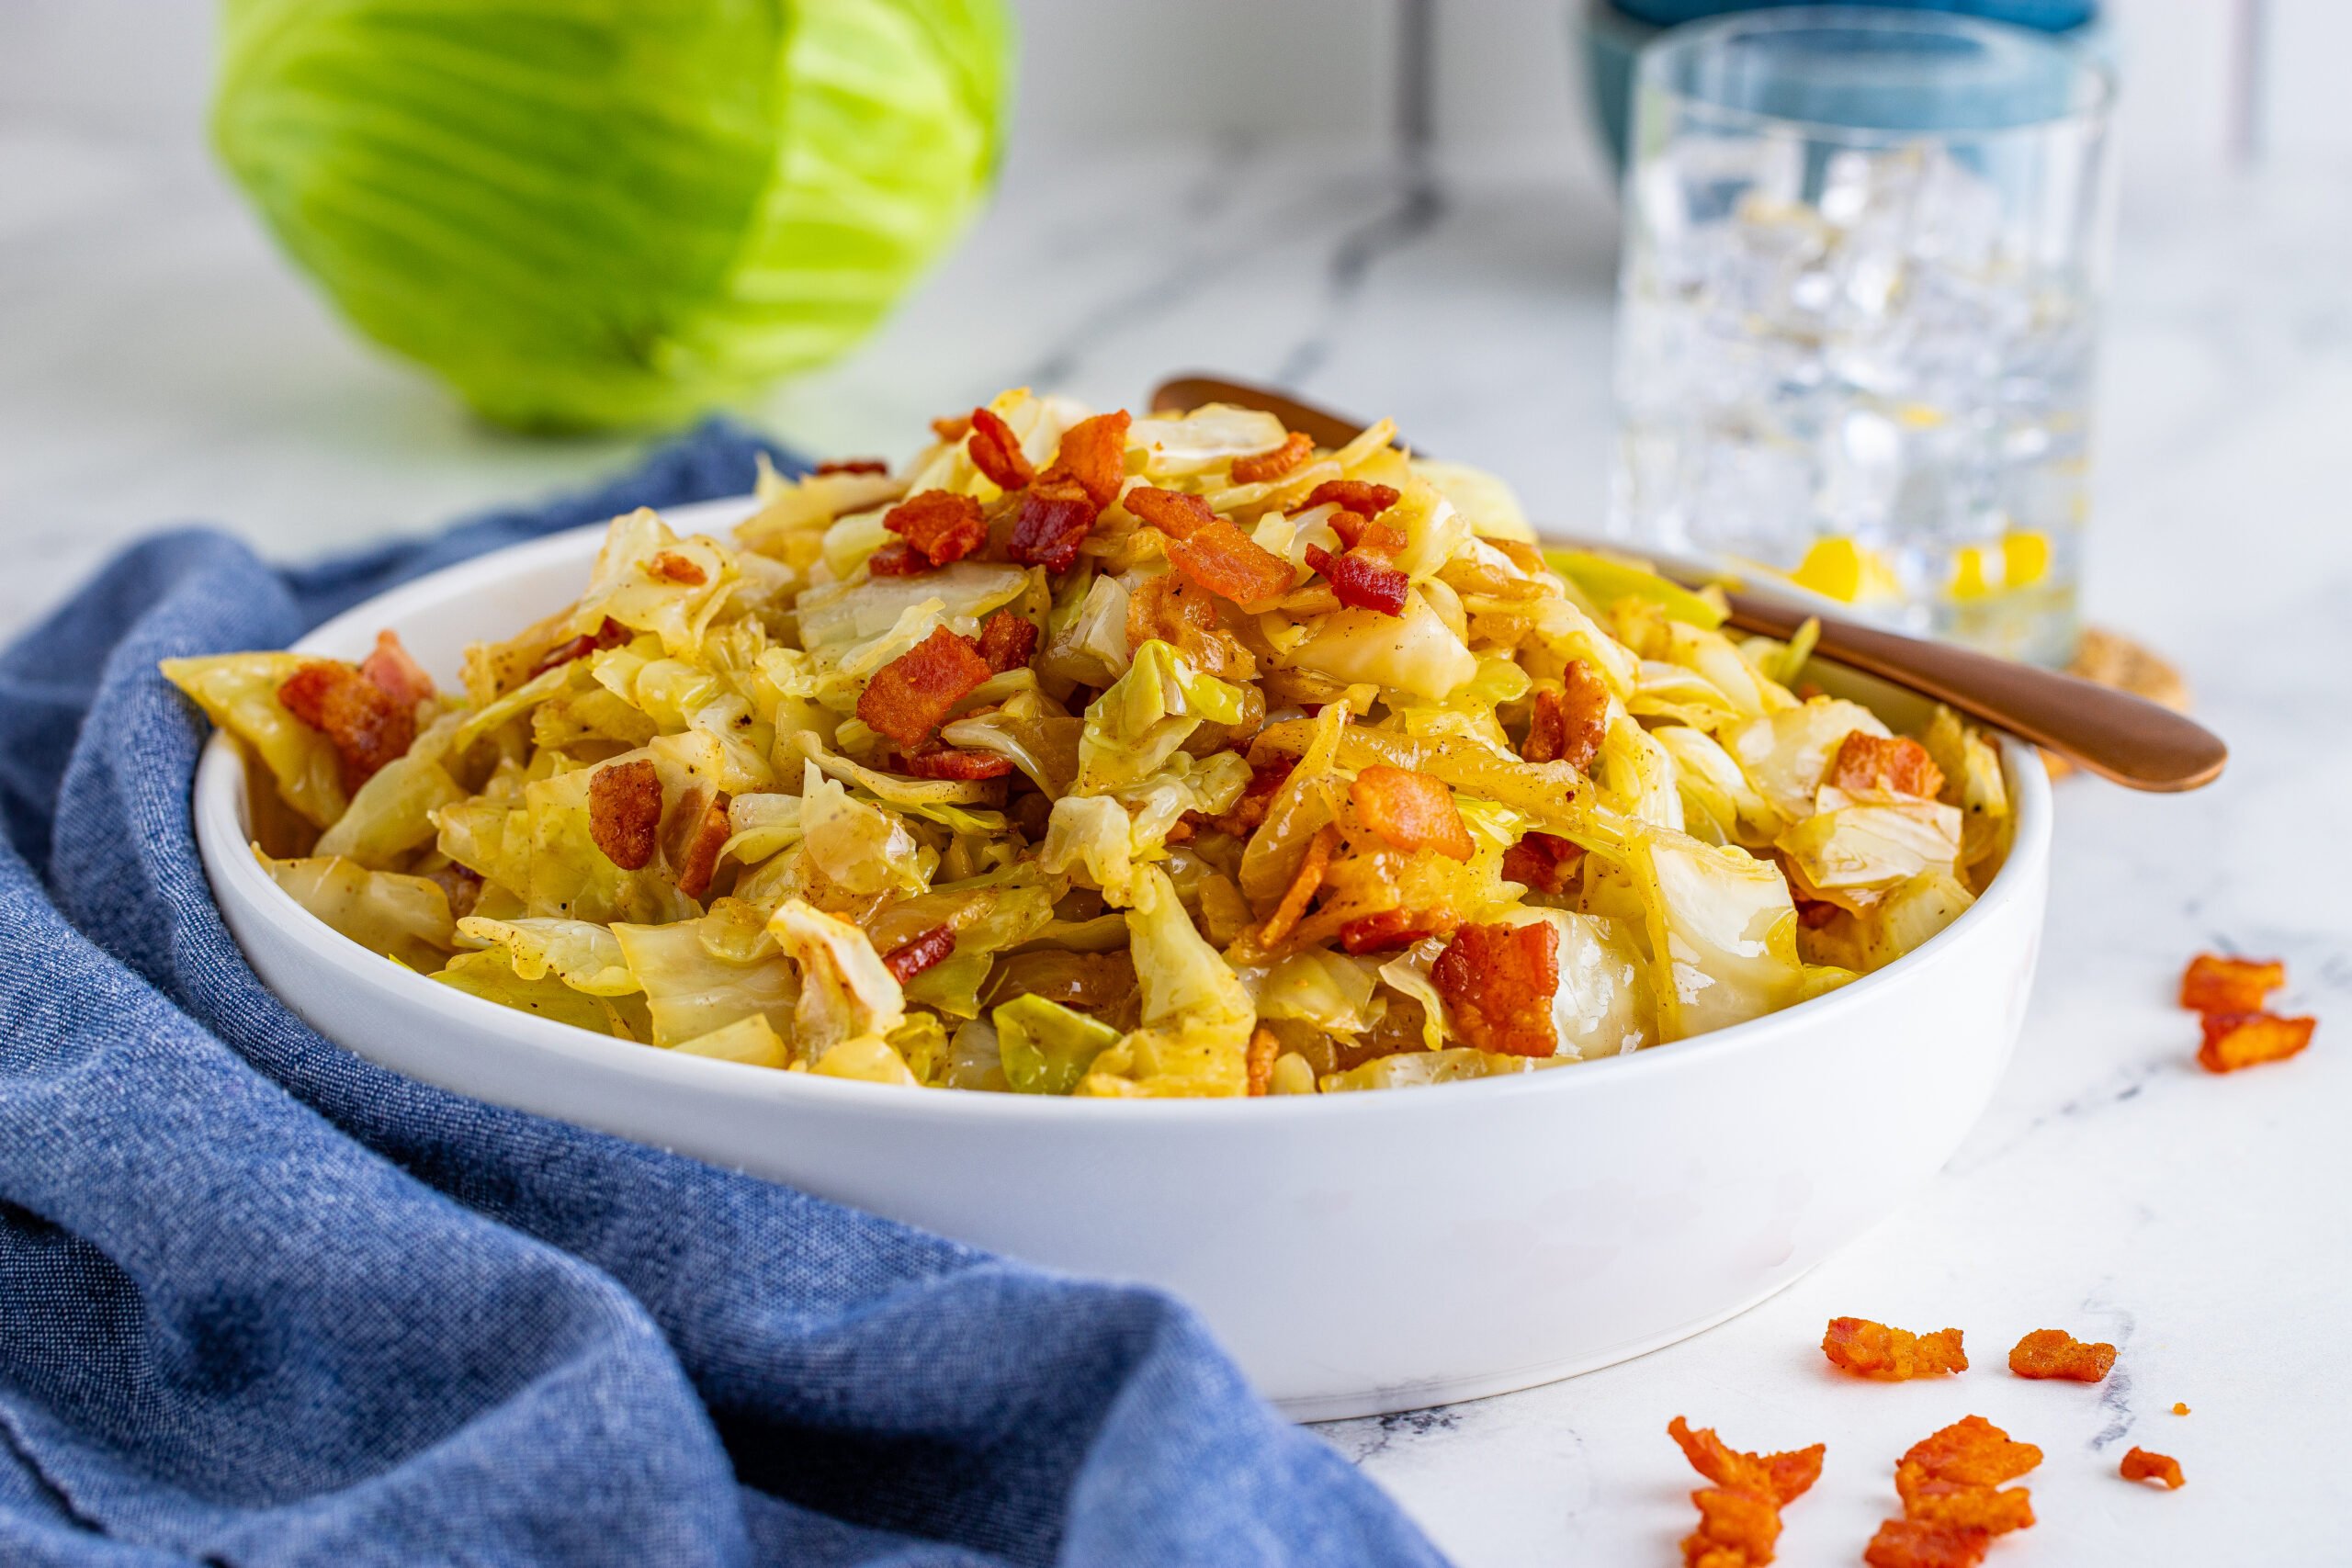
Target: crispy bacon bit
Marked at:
1054, 520
1175, 512
1871, 761
2139, 1464
609, 633
670, 567
1499, 981
950, 764
698, 861
908, 697
368, 728
1891, 1355
1361, 580
1370, 537
914, 955
1412, 811
1974, 1452
1265, 779
1913, 1543
1094, 453
1224, 559
1394, 929
625, 812
1358, 496
1007, 640
1736, 1530
2054, 1353
1264, 1046
952, 427
391, 672
2178, 1409
897, 559
1961, 1504
996, 451
942, 526
2234, 1040
1304, 884
2214, 984
1543, 862
857, 465
1783, 1477
1296, 449
1569, 724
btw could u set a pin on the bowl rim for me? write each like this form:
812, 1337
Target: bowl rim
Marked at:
224, 846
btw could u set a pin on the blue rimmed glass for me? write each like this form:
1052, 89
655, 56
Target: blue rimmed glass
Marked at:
1859, 311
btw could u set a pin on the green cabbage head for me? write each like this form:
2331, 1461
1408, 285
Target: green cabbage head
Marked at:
612, 212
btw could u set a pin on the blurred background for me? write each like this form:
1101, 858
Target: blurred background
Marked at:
1392, 206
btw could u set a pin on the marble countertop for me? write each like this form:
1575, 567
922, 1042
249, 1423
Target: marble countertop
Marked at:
158, 363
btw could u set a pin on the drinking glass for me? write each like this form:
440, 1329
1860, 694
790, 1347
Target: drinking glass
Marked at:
1858, 311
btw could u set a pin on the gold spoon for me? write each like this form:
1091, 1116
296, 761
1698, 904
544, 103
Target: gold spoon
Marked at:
2110, 733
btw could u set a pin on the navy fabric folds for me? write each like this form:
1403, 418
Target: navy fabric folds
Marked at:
262, 1303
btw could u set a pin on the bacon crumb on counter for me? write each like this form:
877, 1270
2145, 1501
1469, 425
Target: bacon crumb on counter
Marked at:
2214, 984
1411, 811
907, 698
1739, 1516
1874, 1351
1296, 449
1499, 981
2139, 1464
1871, 761
391, 670
367, 724
1953, 1501
2178, 1409
2235, 1039
2054, 1353
996, 451
917, 954
698, 861
940, 525
625, 812
1007, 640
1226, 561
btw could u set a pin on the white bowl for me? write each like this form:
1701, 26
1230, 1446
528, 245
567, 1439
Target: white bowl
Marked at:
1357, 1253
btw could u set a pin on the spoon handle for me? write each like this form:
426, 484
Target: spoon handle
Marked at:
2113, 734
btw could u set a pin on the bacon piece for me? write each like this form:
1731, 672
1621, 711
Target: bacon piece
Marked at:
1965, 1505
907, 698
1007, 640
941, 524
1569, 725
897, 559
1054, 520
1177, 514
1250, 809
996, 451
366, 725
2054, 1353
1371, 538
917, 954
1304, 884
698, 861
1973, 1452
1296, 449
1815, 913
2234, 1040
1360, 496
1168, 608
2214, 984
1872, 762
670, 567
1736, 1530
625, 812
391, 672
2139, 1464
1394, 929
1784, 1477
610, 633
1914, 1543
1224, 560
952, 765
1264, 1046
1094, 453
1499, 981
858, 465
1362, 582
1874, 1351
952, 427
1543, 862
1412, 811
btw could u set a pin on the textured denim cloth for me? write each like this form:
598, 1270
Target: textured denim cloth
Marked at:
262, 1303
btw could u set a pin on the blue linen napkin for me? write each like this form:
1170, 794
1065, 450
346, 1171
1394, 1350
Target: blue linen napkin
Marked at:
262, 1303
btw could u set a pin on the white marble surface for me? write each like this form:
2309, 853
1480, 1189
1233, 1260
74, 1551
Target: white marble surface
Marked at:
156, 363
